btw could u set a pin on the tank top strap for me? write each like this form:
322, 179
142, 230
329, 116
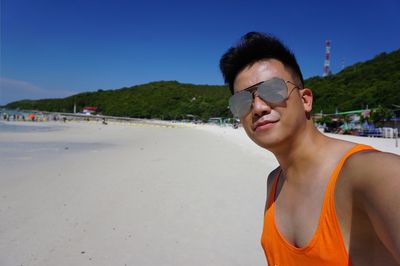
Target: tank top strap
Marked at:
356, 148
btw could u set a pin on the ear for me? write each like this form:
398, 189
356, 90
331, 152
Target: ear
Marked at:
307, 99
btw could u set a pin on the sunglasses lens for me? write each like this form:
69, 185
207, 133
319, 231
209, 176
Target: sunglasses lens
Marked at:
240, 103
273, 91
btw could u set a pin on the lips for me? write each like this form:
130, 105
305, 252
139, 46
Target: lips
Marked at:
264, 123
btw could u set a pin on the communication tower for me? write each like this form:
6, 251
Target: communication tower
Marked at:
327, 63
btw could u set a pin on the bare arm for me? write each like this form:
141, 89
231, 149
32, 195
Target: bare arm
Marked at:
376, 184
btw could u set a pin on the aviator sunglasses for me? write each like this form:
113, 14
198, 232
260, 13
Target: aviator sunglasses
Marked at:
272, 91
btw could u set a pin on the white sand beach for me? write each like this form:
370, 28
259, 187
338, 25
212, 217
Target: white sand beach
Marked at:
119, 194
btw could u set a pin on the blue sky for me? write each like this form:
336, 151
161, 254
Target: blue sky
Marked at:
59, 48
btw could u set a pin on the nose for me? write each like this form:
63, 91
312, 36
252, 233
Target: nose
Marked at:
260, 107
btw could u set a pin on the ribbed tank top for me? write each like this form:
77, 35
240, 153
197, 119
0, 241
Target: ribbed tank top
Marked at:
326, 247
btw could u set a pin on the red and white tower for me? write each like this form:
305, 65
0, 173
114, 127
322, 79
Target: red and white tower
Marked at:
327, 63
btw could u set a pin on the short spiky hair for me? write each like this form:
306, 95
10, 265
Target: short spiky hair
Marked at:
253, 47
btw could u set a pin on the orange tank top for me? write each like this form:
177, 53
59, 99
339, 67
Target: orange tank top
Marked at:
326, 247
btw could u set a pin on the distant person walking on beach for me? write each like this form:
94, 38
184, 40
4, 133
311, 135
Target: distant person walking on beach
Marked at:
330, 202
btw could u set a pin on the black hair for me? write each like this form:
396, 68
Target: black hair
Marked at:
253, 47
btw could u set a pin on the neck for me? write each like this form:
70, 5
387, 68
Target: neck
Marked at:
301, 153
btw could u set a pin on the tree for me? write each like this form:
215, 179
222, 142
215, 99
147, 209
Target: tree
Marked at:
380, 114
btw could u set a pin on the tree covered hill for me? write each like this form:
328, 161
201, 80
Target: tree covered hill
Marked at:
374, 82
162, 99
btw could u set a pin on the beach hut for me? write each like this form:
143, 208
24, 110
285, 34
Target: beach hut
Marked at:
89, 110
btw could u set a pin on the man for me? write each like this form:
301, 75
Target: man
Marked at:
330, 202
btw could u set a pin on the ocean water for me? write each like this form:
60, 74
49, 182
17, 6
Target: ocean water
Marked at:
26, 149
25, 127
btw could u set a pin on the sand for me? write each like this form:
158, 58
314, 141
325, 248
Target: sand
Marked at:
120, 194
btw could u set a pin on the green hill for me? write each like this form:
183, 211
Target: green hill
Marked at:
163, 99
374, 82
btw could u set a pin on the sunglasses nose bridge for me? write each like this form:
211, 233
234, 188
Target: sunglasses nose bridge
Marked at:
259, 105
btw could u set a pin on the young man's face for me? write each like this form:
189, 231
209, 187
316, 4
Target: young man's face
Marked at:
270, 125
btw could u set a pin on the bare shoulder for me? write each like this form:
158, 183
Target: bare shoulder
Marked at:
372, 168
271, 178
270, 182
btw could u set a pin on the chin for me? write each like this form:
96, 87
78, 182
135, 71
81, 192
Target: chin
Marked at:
268, 139
270, 144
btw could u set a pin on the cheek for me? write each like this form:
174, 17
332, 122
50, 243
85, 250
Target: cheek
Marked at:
246, 122
293, 117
